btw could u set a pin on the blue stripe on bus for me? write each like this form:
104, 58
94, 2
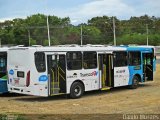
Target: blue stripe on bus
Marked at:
133, 72
3, 86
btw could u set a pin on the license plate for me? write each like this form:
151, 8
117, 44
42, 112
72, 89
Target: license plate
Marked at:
16, 81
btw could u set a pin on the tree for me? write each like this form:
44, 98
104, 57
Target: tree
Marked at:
98, 30
105, 25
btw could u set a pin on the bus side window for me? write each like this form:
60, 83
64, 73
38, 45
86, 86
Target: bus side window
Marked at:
89, 60
120, 59
134, 58
40, 61
74, 60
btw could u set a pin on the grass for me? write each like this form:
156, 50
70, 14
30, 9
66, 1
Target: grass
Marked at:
11, 117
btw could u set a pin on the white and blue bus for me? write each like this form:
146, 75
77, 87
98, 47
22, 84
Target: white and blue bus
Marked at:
73, 69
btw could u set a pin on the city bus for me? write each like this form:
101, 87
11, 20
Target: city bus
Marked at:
74, 69
3, 70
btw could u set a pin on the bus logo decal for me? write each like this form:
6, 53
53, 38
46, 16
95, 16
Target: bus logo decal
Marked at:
11, 72
72, 76
94, 73
120, 71
43, 78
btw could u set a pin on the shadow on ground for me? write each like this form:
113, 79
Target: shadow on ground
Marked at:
64, 97
11, 95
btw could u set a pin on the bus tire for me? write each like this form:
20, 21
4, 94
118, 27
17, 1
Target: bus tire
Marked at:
77, 90
135, 83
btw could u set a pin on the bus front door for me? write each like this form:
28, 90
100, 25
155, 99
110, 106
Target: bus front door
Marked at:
148, 66
106, 71
57, 74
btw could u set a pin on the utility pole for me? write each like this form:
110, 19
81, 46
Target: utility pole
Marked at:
114, 31
81, 36
49, 41
147, 33
0, 42
29, 37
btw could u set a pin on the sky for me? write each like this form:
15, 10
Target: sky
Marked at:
79, 11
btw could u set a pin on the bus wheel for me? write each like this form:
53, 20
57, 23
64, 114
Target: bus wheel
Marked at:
77, 90
135, 83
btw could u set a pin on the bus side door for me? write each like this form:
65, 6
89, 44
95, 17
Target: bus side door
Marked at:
57, 74
106, 70
148, 67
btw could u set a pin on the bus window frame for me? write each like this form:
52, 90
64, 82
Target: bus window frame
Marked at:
129, 58
115, 60
90, 60
71, 60
37, 64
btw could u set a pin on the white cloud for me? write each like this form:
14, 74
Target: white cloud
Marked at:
3, 19
11, 18
149, 7
123, 9
99, 8
118, 8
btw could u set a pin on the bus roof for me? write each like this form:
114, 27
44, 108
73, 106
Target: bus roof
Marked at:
139, 48
72, 48
4, 49
65, 48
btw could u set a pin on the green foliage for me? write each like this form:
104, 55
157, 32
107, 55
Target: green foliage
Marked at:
98, 30
132, 39
32, 42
